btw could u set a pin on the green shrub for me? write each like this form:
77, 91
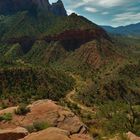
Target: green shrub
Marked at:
30, 128
37, 126
22, 110
40, 125
3, 106
6, 117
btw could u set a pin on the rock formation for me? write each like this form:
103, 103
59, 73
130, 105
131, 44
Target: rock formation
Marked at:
8, 7
132, 136
13, 134
55, 134
58, 8
64, 124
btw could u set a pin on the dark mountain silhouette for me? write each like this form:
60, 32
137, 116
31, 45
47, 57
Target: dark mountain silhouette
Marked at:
8, 7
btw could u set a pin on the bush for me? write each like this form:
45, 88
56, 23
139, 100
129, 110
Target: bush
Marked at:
3, 106
6, 117
37, 126
40, 125
30, 128
22, 110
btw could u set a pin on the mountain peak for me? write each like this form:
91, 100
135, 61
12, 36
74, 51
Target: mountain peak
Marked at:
58, 8
8, 7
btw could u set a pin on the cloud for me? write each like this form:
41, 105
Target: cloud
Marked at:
126, 18
90, 9
100, 3
111, 3
105, 13
70, 11
109, 12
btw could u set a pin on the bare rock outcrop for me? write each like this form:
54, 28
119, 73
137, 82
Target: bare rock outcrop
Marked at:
132, 136
13, 134
46, 111
55, 134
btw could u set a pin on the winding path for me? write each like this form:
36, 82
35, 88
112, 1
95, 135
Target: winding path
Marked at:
82, 107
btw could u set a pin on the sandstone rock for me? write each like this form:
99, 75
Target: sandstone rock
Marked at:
47, 111
13, 134
132, 136
80, 137
55, 134
49, 134
8, 110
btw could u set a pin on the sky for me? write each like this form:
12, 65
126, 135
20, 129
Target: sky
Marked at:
106, 12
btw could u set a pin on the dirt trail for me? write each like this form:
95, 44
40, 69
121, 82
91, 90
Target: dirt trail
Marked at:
82, 107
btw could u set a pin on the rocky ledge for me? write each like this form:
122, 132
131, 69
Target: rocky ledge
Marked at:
63, 124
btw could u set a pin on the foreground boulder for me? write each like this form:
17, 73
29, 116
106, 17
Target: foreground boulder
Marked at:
13, 134
53, 133
132, 136
46, 111
62, 123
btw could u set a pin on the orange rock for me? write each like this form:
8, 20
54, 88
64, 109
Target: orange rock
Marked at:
55, 134
132, 136
47, 111
13, 134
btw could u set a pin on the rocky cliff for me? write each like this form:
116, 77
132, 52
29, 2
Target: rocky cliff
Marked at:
8, 7
58, 8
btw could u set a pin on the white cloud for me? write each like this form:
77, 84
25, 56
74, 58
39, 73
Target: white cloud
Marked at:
105, 10
90, 9
111, 3
70, 4
126, 18
70, 11
98, 3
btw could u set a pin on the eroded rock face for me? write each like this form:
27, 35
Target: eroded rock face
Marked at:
73, 39
46, 111
13, 134
55, 134
96, 53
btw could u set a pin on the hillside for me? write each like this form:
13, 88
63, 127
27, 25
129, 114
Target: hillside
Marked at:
25, 84
56, 38
52, 26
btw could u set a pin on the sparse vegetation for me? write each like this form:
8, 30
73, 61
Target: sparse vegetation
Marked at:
37, 126
22, 110
6, 117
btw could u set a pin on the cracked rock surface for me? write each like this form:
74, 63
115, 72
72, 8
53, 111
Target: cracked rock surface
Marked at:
60, 120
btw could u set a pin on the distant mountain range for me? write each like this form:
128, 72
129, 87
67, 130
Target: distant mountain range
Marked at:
132, 29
